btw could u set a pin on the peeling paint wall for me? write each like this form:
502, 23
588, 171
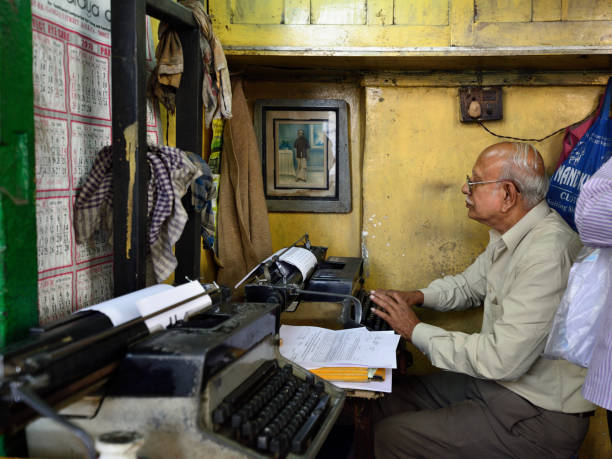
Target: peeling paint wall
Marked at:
416, 157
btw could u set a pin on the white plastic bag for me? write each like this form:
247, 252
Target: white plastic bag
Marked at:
576, 323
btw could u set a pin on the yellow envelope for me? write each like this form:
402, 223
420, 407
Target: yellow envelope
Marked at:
350, 374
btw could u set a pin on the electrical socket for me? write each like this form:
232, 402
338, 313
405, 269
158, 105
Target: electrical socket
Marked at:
480, 104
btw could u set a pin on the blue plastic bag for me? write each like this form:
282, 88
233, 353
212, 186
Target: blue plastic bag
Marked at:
593, 149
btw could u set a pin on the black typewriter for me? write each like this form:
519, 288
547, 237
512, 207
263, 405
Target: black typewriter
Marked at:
212, 385
331, 296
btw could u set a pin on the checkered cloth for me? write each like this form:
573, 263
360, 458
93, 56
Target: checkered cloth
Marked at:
93, 208
171, 174
182, 172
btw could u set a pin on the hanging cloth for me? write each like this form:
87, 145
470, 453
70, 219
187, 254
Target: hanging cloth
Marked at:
216, 88
166, 76
172, 172
243, 228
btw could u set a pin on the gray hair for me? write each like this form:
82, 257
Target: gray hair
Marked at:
525, 167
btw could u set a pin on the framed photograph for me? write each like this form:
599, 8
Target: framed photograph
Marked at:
304, 154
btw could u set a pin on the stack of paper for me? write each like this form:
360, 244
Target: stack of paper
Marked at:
313, 347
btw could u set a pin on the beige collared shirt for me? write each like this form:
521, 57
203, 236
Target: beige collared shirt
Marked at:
520, 278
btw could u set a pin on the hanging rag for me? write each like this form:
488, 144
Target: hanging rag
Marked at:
93, 207
166, 76
216, 89
243, 228
182, 173
171, 174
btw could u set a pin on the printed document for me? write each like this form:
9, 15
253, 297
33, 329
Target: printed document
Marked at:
314, 347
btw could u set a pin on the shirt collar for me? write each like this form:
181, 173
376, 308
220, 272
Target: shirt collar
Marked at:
515, 235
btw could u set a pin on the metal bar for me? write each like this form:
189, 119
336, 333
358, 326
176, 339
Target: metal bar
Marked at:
189, 137
129, 145
22, 393
18, 268
174, 14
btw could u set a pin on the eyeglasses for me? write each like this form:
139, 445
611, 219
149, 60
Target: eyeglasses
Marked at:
470, 184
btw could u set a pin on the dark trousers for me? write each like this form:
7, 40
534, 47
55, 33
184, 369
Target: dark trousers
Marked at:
449, 415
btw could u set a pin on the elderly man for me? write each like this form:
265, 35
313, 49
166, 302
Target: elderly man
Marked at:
497, 396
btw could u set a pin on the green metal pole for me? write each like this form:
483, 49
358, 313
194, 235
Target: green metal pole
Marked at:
18, 271
18, 266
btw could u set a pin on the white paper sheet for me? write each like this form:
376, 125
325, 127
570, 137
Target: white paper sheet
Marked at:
154, 303
123, 308
314, 347
377, 386
302, 259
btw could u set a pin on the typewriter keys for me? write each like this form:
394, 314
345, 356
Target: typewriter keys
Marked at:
274, 411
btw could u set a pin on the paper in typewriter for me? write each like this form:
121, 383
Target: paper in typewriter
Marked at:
314, 347
302, 259
152, 304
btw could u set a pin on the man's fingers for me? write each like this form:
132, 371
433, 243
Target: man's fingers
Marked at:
380, 313
386, 301
383, 301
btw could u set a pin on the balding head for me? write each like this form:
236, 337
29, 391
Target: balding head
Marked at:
523, 165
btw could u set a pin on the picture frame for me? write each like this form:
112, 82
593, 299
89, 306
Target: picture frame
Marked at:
304, 154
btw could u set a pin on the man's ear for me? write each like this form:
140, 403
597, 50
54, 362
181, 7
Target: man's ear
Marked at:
511, 196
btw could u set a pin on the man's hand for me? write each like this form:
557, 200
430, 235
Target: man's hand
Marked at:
398, 311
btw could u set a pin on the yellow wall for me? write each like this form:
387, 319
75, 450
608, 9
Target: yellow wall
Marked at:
390, 26
416, 157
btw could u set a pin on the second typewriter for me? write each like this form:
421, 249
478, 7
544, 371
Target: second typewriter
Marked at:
311, 289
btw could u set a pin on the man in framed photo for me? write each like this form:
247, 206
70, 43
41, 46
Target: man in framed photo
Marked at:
301, 146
